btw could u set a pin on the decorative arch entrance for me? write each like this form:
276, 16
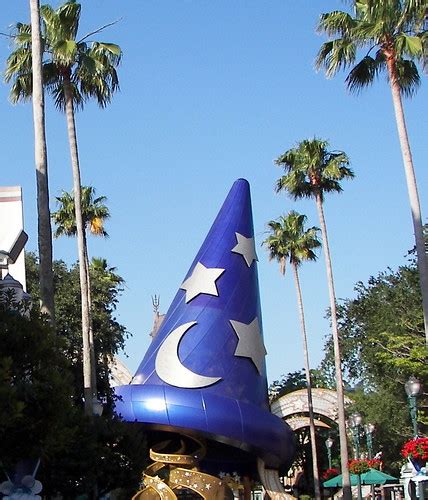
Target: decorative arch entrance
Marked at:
293, 407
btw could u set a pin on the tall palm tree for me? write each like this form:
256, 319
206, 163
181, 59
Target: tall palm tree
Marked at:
310, 172
40, 155
290, 241
394, 33
94, 214
74, 71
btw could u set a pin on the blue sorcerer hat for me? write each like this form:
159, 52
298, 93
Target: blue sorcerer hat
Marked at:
205, 370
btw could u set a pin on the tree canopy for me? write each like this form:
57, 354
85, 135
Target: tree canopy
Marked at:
41, 402
289, 240
382, 328
392, 31
109, 334
89, 68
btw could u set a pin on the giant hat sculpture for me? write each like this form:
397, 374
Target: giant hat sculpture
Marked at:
204, 374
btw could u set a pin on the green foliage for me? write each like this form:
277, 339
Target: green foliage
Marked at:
383, 343
109, 334
311, 170
382, 329
288, 240
106, 452
391, 32
35, 388
41, 412
89, 68
386, 407
294, 381
94, 213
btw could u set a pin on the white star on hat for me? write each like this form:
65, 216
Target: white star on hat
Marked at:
202, 280
246, 248
250, 344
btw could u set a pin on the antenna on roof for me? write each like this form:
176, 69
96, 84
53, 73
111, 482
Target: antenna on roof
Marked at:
156, 303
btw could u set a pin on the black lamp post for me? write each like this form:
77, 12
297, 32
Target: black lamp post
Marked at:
369, 429
329, 444
355, 422
413, 389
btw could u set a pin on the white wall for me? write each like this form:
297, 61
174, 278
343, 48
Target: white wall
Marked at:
11, 223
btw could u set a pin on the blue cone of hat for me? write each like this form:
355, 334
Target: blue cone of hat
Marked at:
205, 373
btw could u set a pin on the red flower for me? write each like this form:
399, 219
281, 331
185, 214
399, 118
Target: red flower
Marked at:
375, 463
416, 448
358, 466
330, 473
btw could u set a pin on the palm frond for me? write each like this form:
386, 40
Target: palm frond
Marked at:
91, 69
48, 15
364, 73
408, 77
336, 23
311, 170
18, 62
414, 13
68, 18
22, 36
65, 52
22, 88
94, 213
289, 240
336, 55
110, 51
410, 46
396, 27
424, 58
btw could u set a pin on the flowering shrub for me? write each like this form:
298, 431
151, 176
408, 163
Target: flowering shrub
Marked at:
329, 473
375, 463
361, 465
416, 448
358, 466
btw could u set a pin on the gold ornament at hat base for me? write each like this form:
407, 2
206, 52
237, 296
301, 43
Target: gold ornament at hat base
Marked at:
170, 472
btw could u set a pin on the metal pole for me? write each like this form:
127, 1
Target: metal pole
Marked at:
328, 445
413, 414
413, 389
356, 436
369, 444
369, 429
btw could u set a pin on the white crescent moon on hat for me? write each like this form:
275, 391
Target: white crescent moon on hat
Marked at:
169, 367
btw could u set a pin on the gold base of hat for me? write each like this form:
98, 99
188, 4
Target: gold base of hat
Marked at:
178, 470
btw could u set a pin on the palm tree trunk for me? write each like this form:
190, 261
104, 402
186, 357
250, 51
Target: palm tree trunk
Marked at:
308, 383
337, 359
91, 330
71, 130
412, 188
41, 161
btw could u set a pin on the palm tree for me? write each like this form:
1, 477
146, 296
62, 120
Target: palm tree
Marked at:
310, 172
394, 33
73, 72
94, 213
290, 241
40, 155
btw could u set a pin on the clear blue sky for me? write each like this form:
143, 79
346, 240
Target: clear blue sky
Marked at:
212, 91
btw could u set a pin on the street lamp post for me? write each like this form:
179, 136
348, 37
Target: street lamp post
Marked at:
329, 444
355, 423
369, 429
356, 420
413, 389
